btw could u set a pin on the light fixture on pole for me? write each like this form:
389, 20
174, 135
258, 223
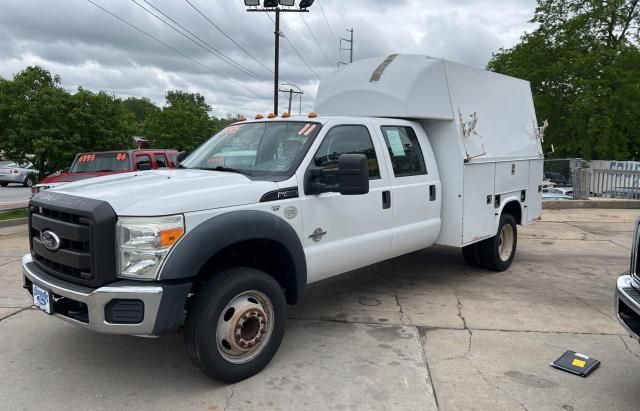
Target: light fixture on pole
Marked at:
275, 6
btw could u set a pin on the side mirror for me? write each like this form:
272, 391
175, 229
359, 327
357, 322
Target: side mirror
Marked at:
181, 156
66, 170
144, 166
351, 177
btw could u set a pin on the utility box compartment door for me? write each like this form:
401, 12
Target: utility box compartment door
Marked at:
479, 220
512, 176
534, 193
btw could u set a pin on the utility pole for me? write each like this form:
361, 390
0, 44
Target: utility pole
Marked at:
273, 6
291, 92
350, 49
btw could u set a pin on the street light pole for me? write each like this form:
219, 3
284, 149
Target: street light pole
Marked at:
276, 78
273, 6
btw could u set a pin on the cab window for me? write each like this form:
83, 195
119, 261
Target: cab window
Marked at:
143, 162
346, 140
161, 161
404, 150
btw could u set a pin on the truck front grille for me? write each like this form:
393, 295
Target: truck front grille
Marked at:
86, 230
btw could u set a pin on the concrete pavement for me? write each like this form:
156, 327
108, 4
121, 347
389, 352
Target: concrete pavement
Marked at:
423, 331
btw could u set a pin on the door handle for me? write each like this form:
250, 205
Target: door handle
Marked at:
386, 200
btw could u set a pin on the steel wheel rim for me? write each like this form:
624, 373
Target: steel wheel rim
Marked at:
505, 242
245, 327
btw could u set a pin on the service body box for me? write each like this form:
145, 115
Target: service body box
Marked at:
481, 125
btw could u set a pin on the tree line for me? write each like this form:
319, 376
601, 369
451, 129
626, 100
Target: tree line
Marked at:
42, 122
583, 62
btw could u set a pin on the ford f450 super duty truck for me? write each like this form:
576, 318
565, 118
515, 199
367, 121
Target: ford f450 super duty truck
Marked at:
407, 151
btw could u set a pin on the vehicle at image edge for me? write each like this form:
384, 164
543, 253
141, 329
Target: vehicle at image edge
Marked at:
628, 291
555, 197
17, 173
410, 151
97, 164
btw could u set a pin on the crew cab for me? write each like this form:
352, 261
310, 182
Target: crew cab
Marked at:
407, 152
96, 164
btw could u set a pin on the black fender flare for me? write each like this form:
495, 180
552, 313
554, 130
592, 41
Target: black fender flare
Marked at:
197, 246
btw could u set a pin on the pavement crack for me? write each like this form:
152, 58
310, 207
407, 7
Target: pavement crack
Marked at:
430, 382
627, 347
228, 399
400, 309
14, 313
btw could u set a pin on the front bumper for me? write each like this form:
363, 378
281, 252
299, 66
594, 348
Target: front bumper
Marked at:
628, 304
161, 304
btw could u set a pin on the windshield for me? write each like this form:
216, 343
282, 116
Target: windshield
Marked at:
256, 149
96, 162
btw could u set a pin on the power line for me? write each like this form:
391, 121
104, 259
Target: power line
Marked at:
209, 48
228, 36
296, 50
316, 40
170, 47
328, 25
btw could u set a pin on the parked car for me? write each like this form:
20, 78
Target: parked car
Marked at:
17, 173
265, 207
567, 191
89, 165
549, 196
557, 178
547, 185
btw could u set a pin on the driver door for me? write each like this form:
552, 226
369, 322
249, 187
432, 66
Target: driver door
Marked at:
345, 232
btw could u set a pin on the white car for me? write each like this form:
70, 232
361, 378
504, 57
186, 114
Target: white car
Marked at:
265, 207
567, 191
18, 173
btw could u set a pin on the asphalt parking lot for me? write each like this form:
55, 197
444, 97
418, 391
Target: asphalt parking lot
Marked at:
423, 331
13, 196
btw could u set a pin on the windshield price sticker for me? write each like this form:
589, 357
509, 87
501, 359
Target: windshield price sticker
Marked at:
215, 160
121, 156
87, 158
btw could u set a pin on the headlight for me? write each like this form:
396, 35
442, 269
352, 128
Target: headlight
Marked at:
143, 242
36, 189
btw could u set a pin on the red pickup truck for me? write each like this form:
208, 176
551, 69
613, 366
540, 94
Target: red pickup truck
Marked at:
89, 165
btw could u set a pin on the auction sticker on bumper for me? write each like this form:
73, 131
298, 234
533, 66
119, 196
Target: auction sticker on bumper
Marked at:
42, 299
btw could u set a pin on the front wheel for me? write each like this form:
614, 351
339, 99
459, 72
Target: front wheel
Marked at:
27, 182
497, 253
235, 325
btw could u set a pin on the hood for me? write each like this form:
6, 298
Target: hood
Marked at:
164, 192
70, 177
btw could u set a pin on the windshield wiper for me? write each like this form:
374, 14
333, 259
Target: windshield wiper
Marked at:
228, 169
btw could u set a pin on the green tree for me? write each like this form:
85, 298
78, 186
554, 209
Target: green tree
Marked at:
141, 108
41, 122
583, 63
184, 123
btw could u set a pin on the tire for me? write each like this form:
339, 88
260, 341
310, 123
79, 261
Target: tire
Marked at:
497, 253
471, 255
27, 182
224, 307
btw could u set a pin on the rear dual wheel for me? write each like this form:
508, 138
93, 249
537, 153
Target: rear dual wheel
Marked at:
235, 325
495, 253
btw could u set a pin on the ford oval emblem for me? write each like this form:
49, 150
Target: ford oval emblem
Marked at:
50, 240
41, 299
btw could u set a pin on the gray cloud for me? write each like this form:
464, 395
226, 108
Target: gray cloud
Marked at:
89, 48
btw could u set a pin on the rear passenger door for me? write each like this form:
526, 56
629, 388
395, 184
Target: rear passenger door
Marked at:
143, 162
415, 187
341, 232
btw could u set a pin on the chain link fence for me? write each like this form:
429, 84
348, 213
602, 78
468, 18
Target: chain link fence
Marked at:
582, 180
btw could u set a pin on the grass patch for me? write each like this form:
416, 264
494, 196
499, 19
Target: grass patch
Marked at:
10, 215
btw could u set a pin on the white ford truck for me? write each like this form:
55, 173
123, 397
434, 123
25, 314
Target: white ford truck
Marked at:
406, 151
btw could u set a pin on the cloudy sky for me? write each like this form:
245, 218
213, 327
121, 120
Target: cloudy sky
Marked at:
231, 64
